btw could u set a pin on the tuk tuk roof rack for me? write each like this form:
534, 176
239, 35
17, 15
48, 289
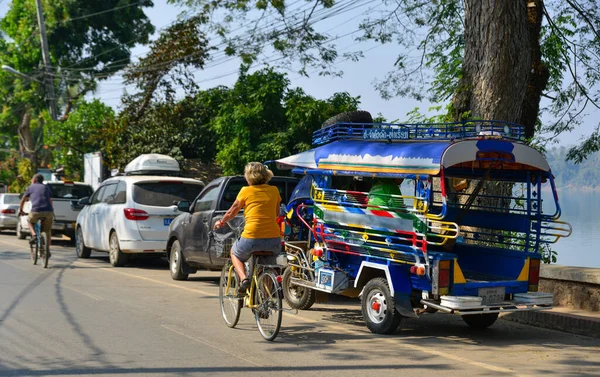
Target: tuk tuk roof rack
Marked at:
402, 132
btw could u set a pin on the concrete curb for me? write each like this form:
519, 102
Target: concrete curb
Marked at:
567, 322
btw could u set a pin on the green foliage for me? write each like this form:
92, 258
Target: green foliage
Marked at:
88, 40
262, 119
89, 128
431, 37
178, 49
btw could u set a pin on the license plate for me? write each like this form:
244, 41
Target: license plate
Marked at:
168, 221
491, 295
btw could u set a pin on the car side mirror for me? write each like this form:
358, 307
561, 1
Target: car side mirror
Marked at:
183, 206
83, 201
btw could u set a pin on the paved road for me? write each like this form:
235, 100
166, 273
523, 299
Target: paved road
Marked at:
83, 317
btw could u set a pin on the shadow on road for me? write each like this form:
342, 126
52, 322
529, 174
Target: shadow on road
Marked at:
224, 369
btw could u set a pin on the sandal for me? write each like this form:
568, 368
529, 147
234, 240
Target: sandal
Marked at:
244, 285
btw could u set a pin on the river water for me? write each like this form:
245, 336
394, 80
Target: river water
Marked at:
582, 211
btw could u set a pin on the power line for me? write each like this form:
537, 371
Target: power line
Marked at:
99, 13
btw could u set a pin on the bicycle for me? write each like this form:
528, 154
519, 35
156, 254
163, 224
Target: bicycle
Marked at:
263, 297
40, 247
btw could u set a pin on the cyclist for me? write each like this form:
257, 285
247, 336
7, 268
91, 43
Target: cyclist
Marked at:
41, 207
260, 202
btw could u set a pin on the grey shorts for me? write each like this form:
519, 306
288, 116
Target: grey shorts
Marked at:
244, 247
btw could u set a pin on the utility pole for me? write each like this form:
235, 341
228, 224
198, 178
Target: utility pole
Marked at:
46, 58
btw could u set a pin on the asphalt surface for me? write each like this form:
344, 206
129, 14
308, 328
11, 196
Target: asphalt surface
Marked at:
83, 317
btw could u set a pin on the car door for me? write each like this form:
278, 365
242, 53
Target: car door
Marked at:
104, 216
89, 221
196, 232
227, 198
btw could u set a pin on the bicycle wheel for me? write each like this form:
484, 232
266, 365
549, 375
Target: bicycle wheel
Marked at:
231, 304
268, 301
44, 249
34, 252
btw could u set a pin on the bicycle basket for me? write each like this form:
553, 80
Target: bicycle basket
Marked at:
225, 237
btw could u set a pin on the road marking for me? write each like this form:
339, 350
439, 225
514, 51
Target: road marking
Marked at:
15, 244
12, 265
413, 347
115, 271
211, 345
339, 328
82, 293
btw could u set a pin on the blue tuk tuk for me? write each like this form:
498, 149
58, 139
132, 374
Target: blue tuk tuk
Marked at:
421, 218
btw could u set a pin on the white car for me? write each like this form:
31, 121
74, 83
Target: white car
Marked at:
131, 214
9, 206
65, 195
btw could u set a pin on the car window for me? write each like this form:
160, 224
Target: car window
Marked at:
11, 199
109, 193
165, 193
67, 191
205, 201
96, 197
121, 193
281, 186
230, 193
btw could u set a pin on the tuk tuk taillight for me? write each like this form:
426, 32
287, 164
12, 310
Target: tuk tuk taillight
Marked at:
442, 275
534, 274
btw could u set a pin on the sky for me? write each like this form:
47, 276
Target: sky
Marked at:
358, 78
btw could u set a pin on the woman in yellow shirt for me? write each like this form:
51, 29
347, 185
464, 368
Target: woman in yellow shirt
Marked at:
260, 202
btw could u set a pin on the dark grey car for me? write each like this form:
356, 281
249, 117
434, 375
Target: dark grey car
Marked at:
188, 246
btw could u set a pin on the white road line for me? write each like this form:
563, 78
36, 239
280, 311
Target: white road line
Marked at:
426, 350
82, 293
211, 345
12, 265
116, 271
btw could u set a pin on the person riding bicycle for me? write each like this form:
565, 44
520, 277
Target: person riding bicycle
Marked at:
260, 202
41, 207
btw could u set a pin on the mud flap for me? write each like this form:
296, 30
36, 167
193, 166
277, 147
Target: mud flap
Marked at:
404, 306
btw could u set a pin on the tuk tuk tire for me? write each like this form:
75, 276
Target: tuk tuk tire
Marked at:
303, 302
359, 116
480, 321
378, 307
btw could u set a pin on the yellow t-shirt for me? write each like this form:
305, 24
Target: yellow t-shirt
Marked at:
261, 208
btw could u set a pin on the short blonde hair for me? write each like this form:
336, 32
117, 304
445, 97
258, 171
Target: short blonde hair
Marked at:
257, 173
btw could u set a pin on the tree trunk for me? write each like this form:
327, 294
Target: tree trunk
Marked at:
501, 51
26, 143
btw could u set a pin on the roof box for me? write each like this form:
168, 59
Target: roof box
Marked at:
152, 164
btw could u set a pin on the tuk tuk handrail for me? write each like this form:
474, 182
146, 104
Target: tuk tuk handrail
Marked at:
391, 132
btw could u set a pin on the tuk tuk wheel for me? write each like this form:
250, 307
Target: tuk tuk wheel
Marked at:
299, 298
480, 321
378, 309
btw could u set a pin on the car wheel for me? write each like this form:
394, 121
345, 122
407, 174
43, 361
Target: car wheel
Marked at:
378, 307
115, 255
176, 262
80, 249
20, 234
297, 297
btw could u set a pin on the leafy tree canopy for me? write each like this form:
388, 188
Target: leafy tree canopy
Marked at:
430, 37
88, 41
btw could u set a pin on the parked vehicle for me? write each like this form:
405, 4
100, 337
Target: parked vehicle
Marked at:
9, 208
466, 239
65, 195
189, 245
131, 214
